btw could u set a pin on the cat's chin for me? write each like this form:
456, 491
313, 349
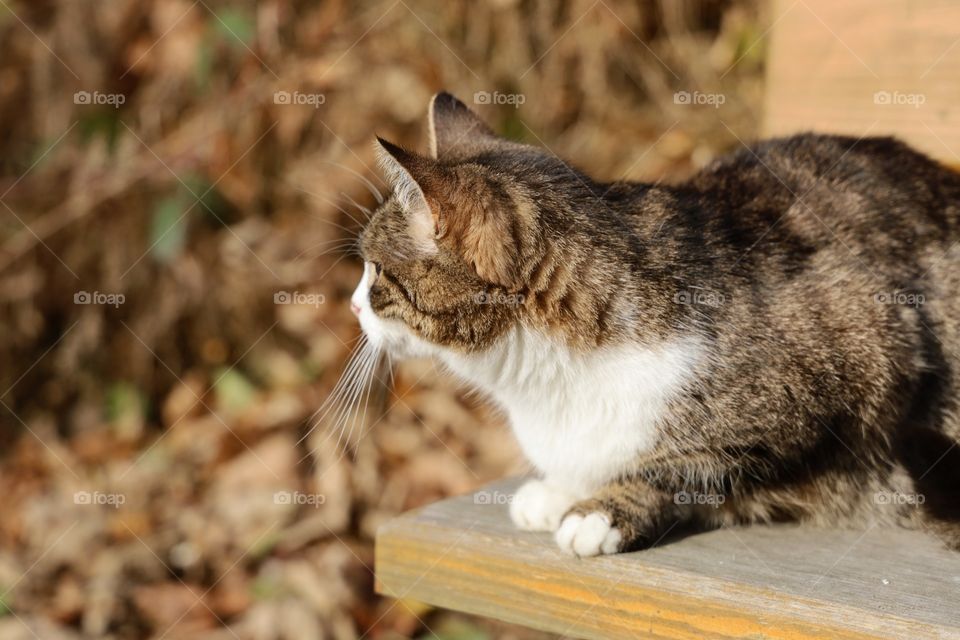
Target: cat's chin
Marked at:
399, 349
410, 349
397, 341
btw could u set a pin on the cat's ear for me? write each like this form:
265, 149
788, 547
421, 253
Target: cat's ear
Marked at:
442, 206
455, 130
409, 174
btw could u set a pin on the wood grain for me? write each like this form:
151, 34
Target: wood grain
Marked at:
828, 60
782, 582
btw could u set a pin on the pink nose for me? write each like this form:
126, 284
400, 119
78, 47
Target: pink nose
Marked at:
354, 308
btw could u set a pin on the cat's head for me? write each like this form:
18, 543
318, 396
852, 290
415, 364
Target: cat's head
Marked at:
450, 253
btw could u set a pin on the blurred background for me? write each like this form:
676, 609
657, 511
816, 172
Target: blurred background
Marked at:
181, 181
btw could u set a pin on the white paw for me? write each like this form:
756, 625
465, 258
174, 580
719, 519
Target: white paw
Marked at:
538, 507
588, 536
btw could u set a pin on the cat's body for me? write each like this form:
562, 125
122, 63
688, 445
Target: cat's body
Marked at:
776, 338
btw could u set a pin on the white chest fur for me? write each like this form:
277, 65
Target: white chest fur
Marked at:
581, 419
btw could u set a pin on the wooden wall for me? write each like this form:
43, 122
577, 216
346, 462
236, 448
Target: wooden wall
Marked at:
867, 67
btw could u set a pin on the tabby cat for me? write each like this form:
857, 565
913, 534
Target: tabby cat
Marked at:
774, 339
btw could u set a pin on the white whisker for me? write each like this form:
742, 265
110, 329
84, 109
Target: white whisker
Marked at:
332, 204
366, 401
333, 246
341, 210
359, 206
337, 390
372, 187
351, 418
349, 397
361, 383
376, 365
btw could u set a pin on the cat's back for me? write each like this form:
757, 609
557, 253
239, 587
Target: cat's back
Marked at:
873, 196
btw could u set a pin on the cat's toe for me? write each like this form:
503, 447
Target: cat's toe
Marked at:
539, 507
588, 535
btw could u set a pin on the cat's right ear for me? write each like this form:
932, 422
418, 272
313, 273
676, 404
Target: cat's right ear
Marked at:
438, 207
455, 130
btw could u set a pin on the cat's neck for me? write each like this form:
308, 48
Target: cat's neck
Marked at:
525, 361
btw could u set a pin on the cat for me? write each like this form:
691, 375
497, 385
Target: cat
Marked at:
775, 338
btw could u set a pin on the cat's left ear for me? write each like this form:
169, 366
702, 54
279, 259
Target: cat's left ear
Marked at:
456, 131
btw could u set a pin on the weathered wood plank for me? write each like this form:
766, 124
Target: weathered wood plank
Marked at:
867, 67
758, 582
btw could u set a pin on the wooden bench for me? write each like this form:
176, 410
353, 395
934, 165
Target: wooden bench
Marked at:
753, 582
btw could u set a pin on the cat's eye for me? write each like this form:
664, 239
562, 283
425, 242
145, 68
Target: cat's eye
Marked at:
377, 268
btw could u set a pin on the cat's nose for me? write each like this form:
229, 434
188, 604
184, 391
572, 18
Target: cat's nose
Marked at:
355, 308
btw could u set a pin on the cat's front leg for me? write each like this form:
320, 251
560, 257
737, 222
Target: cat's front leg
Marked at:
625, 515
539, 505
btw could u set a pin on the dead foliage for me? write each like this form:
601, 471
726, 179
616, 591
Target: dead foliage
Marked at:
185, 164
